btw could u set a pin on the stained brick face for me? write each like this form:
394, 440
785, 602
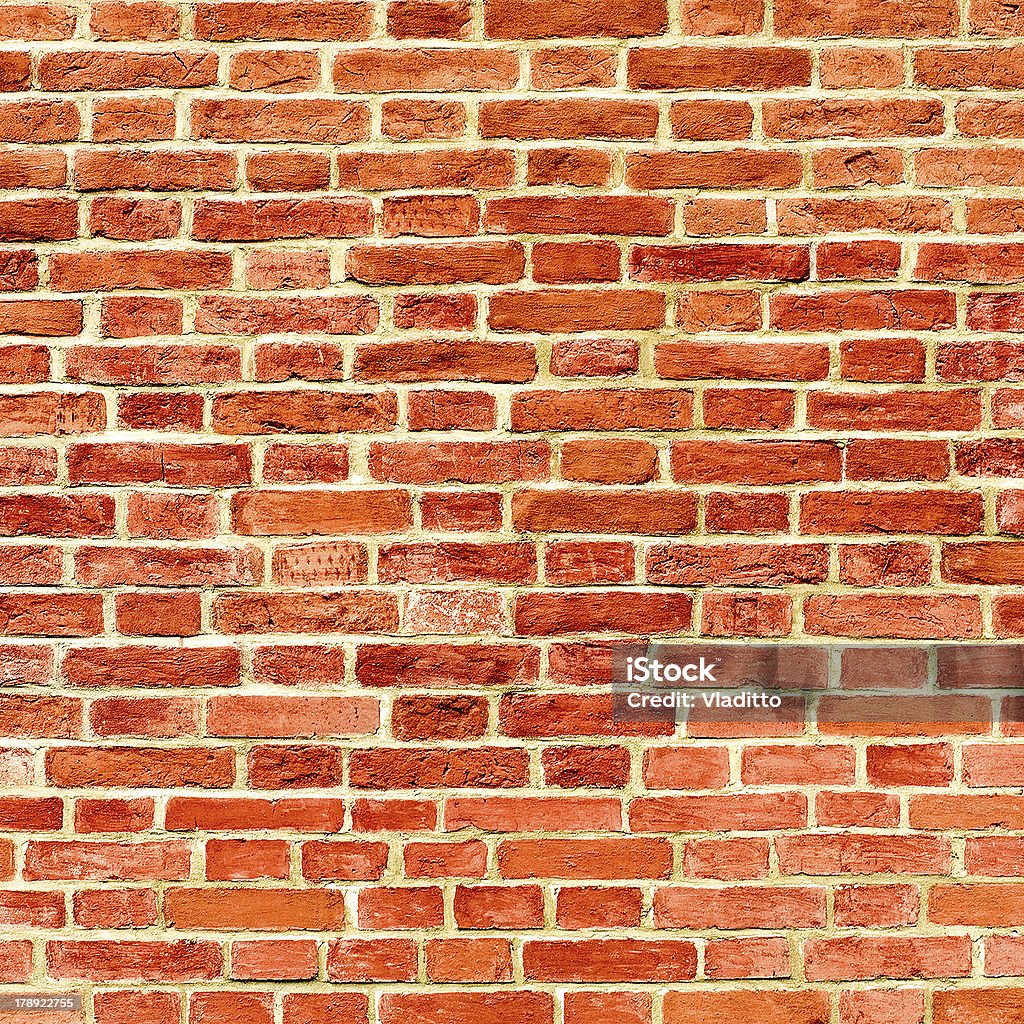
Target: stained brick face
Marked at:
367, 368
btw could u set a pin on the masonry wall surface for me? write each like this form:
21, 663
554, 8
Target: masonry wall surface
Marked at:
368, 368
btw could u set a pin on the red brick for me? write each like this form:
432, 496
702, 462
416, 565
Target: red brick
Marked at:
534, 20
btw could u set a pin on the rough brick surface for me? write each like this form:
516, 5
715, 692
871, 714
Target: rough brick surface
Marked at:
366, 367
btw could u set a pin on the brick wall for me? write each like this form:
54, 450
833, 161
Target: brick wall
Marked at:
368, 367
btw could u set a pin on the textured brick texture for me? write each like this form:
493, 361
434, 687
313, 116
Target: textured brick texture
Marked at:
368, 367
